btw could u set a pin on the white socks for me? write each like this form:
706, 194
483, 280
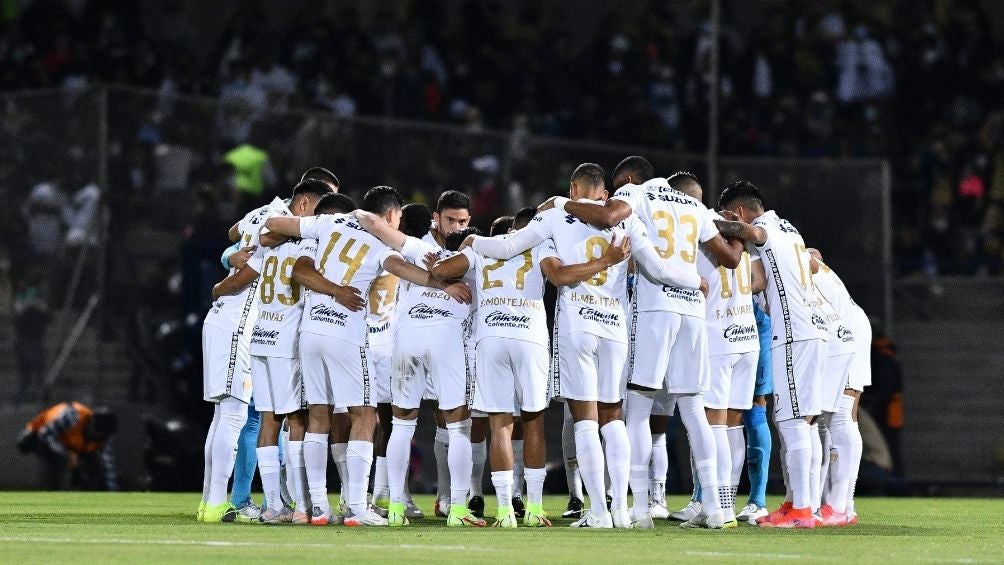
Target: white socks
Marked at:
338, 457
479, 454
844, 434
535, 486
659, 466
297, 474
589, 454
460, 461
723, 466
359, 457
398, 455
233, 414
637, 409
798, 458
380, 488
268, 468
618, 459
441, 449
502, 481
517, 468
207, 453
703, 447
737, 445
815, 467
569, 453
315, 460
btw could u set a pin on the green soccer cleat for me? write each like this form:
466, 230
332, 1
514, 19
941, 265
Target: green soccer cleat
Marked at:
202, 509
222, 512
535, 517
396, 515
462, 517
505, 518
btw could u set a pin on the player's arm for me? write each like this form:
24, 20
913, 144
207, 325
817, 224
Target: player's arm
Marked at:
570, 275
518, 241
310, 278
728, 252
747, 232
270, 239
606, 215
284, 225
380, 229
453, 267
666, 272
758, 277
235, 283
234, 233
396, 265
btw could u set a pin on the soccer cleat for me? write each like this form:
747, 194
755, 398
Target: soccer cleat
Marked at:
367, 518
621, 518
396, 515
777, 514
249, 513
688, 512
658, 509
222, 512
590, 520
641, 522
461, 517
411, 511
518, 507
381, 502
202, 509
319, 516
730, 524
795, 518
852, 519
505, 518
574, 509
273, 517
750, 513
441, 508
713, 521
477, 506
299, 518
536, 518
832, 518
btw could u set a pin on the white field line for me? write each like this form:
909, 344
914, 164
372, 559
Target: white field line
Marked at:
223, 543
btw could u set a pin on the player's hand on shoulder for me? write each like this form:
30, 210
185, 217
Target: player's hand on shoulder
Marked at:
241, 257
429, 260
547, 205
468, 242
459, 291
618, 251
729, 215
349, 297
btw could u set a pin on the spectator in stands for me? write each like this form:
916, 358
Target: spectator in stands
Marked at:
72, 436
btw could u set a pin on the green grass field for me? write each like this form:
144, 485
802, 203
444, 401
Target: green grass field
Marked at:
155, 527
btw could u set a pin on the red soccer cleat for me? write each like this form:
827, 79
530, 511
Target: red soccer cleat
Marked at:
775, 515
795, 518
832, 518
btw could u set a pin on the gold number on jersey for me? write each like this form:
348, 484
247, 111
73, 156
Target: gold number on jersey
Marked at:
284, 271
802, 256
668, 235
743, 282
352, 262
487, 282
383, 293
600, 278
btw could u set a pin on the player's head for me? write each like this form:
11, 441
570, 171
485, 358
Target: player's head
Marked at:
335, 203
454, 240
453, 212
384, 201
415, 220
102, 425
306, 195
323, 175
633, 169
743, 198
686, 183
501, 225
523, 217
587, 182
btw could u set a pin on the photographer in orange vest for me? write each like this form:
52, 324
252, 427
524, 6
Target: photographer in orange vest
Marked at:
73, 437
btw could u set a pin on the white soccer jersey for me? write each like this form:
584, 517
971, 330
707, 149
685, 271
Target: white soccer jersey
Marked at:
239, 311
346, 255
511, 295
280, 301
834, 291
676, 225
380, 309
729, 310
790, 293
421, 306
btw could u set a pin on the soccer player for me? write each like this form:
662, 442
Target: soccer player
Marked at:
333, 345
323, 175
591, 333
669, 321
732, 348
840, 419
275, 364
226, 337
799, 336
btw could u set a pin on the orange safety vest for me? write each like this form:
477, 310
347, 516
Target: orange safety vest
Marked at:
73, 438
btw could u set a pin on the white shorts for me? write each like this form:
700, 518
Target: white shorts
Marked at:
860, 373
436, 362
733, 378
834, 380
669, 350
589, 368
278, 385
380, 370
335, 372
226, 364
511, 374
797, 371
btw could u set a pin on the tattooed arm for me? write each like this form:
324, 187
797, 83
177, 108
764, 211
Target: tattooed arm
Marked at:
748, 232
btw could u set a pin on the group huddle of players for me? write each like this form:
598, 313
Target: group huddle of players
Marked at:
341, 319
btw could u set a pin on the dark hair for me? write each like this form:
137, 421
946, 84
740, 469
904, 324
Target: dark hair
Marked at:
742, 191
381, 199
588, 173
685, 182
323, 175
335, 203
415, 220
453, 200
523, 217
103, 423
312, 187
638, 167
454, 240
501, 225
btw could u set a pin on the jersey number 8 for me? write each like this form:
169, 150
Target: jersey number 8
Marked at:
269, 271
